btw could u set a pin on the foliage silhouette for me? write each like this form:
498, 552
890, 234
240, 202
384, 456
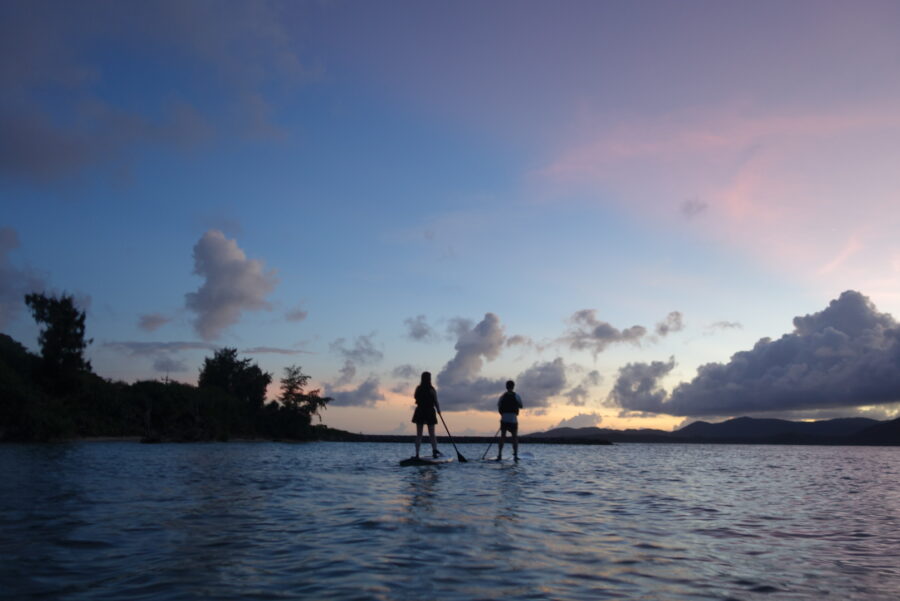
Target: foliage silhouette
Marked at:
61, 339
246, 383
229, 402
291, 415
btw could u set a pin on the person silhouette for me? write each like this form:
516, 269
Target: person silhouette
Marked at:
509, 405
427, 408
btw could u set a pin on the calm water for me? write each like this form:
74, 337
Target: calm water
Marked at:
344, 521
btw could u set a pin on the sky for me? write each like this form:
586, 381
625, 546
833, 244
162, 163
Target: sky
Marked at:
644, 213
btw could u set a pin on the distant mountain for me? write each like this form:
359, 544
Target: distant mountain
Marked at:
880, 433
589, 432
594, 433
749, 427
850, 430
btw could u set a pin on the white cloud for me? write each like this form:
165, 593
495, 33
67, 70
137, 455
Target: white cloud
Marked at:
233, 284
582, 420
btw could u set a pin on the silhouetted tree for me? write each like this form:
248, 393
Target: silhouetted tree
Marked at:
294, 397
246, 382
62, 337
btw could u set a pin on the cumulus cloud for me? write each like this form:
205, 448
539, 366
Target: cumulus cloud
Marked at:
367, 394
540, 382
582, 420
674, 322
847, 355
152, 321
417, 329
460, 384
348, 372
637, 387
589, 333
579, 395
14, 283
233, 284
362, 351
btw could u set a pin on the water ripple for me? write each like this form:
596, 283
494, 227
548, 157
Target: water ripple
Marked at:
345, 522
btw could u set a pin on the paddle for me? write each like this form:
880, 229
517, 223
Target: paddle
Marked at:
458, 454
490, 443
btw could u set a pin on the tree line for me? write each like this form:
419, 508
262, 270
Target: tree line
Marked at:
56, 395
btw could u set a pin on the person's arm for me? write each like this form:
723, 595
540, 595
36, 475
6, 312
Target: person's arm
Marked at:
437, 406
519, 401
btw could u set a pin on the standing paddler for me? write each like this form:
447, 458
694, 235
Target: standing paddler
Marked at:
426, 412
509, 405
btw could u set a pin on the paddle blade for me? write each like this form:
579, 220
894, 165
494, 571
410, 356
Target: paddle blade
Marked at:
460, 458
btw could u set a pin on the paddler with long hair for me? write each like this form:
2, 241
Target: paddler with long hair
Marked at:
427, 408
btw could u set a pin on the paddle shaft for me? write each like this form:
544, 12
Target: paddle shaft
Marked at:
459, 455
491, 443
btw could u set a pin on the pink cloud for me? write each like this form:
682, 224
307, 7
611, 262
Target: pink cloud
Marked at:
812, 194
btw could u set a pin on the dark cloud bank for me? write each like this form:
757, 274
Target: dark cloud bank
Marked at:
58, 116
847, 355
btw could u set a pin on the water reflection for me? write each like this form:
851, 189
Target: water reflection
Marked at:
421, 485
509, 495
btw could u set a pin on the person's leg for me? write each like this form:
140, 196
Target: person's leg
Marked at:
418, 438
515, 440
501, 441
433, 439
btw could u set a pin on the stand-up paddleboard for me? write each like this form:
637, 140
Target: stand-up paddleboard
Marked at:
427, 460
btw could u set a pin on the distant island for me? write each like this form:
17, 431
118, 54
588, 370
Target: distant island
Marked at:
745, 430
